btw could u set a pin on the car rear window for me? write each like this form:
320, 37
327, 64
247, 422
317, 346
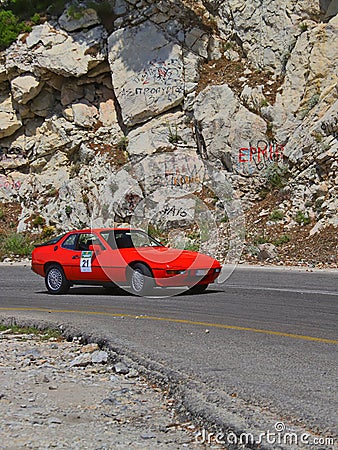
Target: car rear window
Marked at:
52, 241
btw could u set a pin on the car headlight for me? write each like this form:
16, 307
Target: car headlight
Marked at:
175, 272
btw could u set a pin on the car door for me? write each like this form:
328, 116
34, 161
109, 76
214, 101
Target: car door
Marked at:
86, 265
66, 254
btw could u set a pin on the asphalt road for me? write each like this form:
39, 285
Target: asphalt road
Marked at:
261, 350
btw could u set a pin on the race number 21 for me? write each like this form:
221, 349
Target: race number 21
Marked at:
86, 262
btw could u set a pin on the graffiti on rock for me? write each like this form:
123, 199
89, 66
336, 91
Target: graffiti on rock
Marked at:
159, 79
254, 159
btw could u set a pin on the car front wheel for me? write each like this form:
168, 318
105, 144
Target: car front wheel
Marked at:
141, 279
56, 281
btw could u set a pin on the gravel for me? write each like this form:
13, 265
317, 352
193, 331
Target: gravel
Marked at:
47, 401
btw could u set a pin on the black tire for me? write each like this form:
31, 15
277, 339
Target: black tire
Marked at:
56, 281
197, 289
141, 279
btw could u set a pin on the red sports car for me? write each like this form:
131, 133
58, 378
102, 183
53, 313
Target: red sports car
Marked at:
123, 257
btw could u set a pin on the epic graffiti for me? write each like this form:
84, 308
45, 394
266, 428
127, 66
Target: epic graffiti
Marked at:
180, 180
181, 171
9, 184
159, 79
166, 72
173, 211
252, 159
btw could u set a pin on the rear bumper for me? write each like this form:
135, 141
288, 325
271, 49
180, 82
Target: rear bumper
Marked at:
38, 268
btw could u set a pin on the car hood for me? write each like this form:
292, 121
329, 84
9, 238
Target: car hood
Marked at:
176, 258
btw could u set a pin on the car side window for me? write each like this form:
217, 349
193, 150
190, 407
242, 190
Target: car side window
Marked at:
70, 242
85, 240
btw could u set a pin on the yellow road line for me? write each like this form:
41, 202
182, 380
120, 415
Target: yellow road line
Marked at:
183, 321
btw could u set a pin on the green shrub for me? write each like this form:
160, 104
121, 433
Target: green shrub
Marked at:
302, 219
122, 143
17, 244
43, 334
282, 240
68, 210
173, 136
48, 231
276, 215
74, 13
36, 18
38, 222
10, 28
2, 214
276, 175
261, 239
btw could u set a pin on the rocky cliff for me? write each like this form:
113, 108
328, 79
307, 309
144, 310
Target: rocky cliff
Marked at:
245, 90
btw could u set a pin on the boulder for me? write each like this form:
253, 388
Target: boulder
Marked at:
148, 74
10, 121
83, 18
265, 31
85, 115
227, 128
67, 55
25, 87
71, 91
267, 252
107, 113
160, 134
43, 104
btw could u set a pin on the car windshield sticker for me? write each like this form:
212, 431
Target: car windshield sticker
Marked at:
86, 261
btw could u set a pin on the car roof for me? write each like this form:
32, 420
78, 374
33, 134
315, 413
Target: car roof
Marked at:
99, 230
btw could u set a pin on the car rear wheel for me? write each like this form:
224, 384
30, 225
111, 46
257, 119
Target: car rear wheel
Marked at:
141, 279
56, 281
197, 289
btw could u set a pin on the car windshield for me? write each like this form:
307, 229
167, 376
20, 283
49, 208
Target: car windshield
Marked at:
129, 239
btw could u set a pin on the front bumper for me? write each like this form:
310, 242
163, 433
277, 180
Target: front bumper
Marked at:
190, 277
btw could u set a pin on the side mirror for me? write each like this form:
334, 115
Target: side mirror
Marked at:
96, 249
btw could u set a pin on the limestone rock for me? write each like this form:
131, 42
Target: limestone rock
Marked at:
267, 252
70, 92
42, 105
82, 360
85, 114
226, 126
153, 81
10, 122
25, 87
159, 135
84, 18
121, 368
273, 28
90, 348
99, 357
66, 55
3, 72
107, 113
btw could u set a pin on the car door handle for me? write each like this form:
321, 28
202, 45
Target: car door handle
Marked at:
76, 257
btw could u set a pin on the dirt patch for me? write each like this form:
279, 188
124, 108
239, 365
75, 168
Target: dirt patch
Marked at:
9, 217
236, 75
294, 244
